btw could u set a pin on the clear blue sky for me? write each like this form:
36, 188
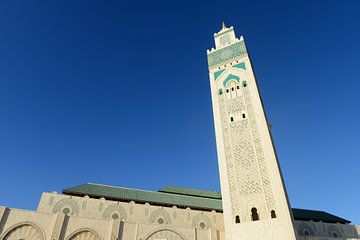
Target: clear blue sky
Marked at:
117, 92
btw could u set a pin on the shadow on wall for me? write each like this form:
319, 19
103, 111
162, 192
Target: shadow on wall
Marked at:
308, 230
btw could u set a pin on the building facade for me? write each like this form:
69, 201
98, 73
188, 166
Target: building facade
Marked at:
99, 212
253, 203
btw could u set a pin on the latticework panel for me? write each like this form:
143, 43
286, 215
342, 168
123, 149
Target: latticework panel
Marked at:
244, 155
259, 152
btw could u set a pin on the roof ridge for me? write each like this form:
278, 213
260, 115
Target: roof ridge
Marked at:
105, 185
141, 190
191, 188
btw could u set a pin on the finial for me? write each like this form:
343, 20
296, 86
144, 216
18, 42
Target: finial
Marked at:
223, 25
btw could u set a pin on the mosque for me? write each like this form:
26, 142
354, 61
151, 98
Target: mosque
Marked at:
253, 202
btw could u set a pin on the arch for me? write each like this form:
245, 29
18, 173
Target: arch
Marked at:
254, 214
273, 214
24, 230
160, 213
67, 202
84, 234
334, 232
221, 76
231, 77
233, 73
115, 209
303, 228
237, 219
200, 218
165, 233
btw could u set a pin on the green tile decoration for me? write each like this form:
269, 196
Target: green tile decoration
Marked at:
240, 65
218, 73
231, 77
235, 50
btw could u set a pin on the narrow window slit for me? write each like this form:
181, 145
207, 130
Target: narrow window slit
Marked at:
237, 219
254, 214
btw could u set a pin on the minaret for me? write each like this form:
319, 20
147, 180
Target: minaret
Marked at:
254, 198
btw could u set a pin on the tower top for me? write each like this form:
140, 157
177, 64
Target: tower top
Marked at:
225, 36
227, 47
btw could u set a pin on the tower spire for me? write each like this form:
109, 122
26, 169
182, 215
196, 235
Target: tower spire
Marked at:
223, 25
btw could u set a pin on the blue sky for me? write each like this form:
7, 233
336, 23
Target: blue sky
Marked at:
117, 92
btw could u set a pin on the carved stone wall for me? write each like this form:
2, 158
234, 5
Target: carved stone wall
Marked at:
245, 162
186, 224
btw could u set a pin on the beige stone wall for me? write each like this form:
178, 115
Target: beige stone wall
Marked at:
320, 230
95, 219
92, 219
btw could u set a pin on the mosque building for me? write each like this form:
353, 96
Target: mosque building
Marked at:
253, 203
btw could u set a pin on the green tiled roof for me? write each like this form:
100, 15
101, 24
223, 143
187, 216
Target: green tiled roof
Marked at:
158, 198
182, 197
307, 215
191, 192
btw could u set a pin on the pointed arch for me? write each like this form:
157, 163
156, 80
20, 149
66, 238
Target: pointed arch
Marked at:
201, 220
67, 203
115, 210
165, 233
229, 78
223, 74
304, 229
84, 234
160, 213
23, 230
334, 232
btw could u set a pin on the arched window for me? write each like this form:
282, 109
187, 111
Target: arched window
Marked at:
244, 84
237, 219
273, 214
237, 87
231, 119
220, 91
227, 90
335, 235
24, 231
232, 89
254, 214
243, 115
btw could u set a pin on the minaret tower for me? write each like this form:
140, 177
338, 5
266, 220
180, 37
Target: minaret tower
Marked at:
254, 198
